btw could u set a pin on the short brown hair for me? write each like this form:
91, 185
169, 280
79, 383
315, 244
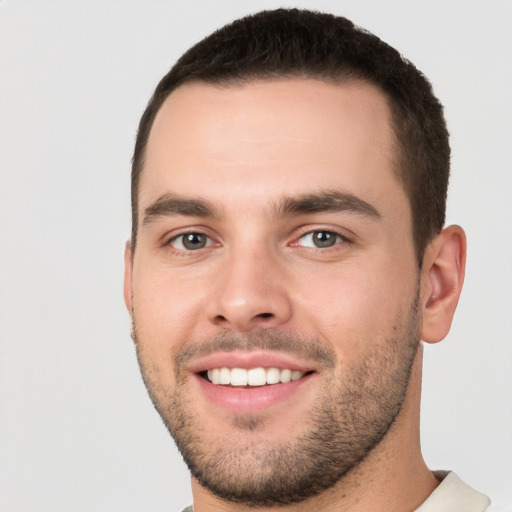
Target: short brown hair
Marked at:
299, 43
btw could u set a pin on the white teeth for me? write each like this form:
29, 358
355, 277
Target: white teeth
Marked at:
253, 377
225, 376
273, 376
238, 377
296, 375
257, 377
286, 376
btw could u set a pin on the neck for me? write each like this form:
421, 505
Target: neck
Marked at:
392, 478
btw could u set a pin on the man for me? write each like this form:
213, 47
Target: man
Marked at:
287, 258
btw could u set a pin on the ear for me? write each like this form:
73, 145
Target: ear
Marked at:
442, 276
128, 272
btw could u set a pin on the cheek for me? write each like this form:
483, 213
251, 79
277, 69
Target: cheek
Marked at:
355, 307
165, 311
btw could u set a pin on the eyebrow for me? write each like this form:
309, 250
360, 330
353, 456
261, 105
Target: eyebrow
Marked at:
171, 204
326, 201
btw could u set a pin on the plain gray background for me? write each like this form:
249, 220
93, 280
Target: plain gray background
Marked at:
77, 431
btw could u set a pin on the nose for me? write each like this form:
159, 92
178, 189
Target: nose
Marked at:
250, 293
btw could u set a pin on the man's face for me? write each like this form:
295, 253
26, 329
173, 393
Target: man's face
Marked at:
274, 243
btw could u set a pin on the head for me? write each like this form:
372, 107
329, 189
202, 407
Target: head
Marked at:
288, 188
297, 43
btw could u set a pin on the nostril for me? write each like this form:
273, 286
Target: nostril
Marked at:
244, 321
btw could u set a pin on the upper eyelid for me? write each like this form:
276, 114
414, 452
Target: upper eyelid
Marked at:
341, 240
181, 235
344, 233
341, 235
176, 233
333, 231
167, 243
298, 233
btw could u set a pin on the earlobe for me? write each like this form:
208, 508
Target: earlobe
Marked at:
128, 269
442, 278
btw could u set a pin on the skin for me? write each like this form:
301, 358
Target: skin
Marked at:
243, 148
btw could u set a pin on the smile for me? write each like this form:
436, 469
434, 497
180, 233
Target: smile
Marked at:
249, 382
252, 377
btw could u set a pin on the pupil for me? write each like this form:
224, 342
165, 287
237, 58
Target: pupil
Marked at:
194, 241
324, 239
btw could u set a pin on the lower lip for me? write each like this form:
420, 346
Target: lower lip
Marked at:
245, 400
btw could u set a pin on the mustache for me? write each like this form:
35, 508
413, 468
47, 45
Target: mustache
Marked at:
267, 340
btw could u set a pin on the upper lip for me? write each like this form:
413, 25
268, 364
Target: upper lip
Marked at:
248, 360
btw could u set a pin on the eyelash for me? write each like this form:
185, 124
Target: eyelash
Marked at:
209, 241
340, 239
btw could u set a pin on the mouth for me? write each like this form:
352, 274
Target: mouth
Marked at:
252, 377
246, 383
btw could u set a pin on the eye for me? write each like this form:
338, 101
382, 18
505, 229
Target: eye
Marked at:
190, 241
320, 239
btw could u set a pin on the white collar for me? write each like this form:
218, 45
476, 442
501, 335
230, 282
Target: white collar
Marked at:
453, 495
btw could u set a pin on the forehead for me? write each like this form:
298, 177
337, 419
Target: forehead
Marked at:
263, 138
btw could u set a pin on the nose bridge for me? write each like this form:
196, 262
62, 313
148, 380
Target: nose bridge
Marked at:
250, 291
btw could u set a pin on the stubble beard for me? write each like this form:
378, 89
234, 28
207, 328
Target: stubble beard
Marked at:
352, 416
